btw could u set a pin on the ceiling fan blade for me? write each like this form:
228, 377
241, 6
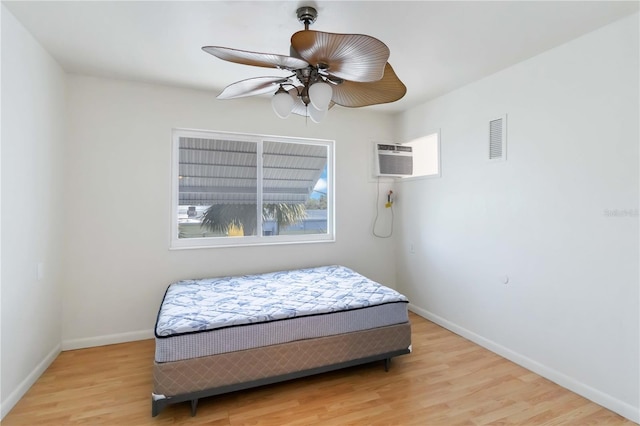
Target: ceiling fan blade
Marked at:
268, 60
356, 94
353, 57
251, 87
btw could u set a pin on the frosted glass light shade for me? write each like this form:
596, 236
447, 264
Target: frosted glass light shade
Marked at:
320, 94
316, 115
282, 104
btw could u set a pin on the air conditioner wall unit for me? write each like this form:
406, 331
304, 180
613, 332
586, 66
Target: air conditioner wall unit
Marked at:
393, 160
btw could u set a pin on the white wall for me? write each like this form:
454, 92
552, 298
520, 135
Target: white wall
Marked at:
117, 261
33, 127
546, 217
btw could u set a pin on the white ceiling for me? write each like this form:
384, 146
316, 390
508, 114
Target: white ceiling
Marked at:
436, 46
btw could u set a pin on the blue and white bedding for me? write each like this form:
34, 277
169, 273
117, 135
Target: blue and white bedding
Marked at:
210, 316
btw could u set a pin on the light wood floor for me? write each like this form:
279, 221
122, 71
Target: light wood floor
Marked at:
447, 380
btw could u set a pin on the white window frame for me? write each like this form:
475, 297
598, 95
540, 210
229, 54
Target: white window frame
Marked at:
257, 240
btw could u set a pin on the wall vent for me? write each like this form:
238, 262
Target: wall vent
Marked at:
498, 139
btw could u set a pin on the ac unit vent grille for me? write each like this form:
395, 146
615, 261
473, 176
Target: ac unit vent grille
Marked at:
393, 160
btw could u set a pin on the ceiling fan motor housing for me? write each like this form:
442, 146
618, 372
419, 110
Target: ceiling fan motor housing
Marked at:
307, 76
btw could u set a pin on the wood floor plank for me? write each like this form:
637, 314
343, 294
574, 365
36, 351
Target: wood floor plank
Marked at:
446, 381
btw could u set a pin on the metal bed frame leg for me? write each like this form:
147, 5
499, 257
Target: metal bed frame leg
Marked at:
387, 364
194, 407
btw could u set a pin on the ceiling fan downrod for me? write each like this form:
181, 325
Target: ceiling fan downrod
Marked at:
307, 15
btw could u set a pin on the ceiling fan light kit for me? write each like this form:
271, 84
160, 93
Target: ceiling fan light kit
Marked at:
316, 115
328, 69
320, 94
282, 103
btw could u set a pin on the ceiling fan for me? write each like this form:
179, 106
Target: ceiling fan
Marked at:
327, 69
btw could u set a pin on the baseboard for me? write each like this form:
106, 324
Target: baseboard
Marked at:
7, 404
109, 339
624, 409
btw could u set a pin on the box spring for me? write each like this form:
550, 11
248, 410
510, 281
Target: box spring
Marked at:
190, 379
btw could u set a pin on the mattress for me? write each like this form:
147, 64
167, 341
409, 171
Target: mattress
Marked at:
204, 317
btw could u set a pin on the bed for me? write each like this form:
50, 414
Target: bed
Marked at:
220, 335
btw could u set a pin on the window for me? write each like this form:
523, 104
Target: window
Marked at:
426, 156
236, 189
